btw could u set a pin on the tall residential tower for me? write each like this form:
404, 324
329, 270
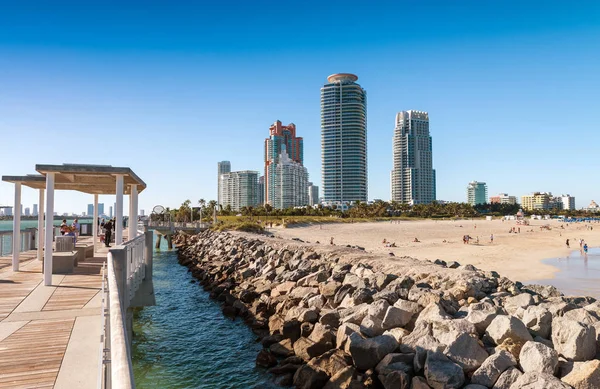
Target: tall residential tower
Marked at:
413, 176
344, 139
222, 168
281, 139
477, 193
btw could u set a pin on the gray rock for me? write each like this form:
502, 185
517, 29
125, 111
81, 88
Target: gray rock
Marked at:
474, 386
492, 367
396, 317
538, 357
397, 379
535, 380
432, 312
581, 315
342, 379
573, 340
466, 352
507, 378
390, 361
371, 326
307, 377
378, 308
442, 373
538, 320
508, 327
367, 353
344, 332
330, 318
397, 333
419, 383
523, 300
585, 375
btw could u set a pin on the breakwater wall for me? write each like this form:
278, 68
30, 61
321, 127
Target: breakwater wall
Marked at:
331, 317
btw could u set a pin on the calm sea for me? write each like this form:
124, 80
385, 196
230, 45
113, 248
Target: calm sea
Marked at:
186, 342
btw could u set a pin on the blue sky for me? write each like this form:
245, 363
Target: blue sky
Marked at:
170, 88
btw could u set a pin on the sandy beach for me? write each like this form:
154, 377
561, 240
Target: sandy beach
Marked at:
517, 256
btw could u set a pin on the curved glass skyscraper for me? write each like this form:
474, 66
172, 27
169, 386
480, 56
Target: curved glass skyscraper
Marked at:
344, 139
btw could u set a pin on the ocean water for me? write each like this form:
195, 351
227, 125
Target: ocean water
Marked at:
186, 342
579, 273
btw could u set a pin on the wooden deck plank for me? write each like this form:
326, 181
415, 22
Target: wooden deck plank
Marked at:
32, 355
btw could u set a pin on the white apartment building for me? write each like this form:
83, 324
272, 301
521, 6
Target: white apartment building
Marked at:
239, 189
291, 183
412, 177
568, 202
313, 194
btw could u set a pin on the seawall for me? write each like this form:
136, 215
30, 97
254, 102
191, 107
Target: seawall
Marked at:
333, 317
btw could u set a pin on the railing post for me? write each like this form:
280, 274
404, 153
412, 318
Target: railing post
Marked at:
148, 235
120, 267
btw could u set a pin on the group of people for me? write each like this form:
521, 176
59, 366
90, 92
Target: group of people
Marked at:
582, 245
70, 230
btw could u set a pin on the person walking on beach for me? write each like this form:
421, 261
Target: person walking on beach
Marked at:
108, 226
331, 240
568, 243
492, 238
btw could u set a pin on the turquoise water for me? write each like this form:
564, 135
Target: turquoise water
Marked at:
186, 342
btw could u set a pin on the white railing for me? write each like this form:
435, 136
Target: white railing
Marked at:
27, 241
126, 270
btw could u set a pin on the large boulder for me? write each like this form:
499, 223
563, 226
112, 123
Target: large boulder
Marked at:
585, 375
308, 377
538, 357
573, 340
492, 367
536, 380
507, 378
342, 379
513, 303
371, 326
442, 373
396, 317
397, 379
344, 332
378, 309
466, 352
582, 315
367, 353
538, 320
419, 383
320, 340
508, 327
331, 362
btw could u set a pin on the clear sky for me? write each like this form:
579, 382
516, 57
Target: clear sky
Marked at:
170, 88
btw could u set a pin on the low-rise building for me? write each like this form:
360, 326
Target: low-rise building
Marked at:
536, 201
503, 198
593, 207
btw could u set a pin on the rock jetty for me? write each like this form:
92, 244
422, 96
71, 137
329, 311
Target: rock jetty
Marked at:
331, 318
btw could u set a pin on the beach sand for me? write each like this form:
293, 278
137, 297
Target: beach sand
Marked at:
517, 256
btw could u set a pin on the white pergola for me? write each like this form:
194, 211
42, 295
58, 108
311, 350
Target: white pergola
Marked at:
91, 179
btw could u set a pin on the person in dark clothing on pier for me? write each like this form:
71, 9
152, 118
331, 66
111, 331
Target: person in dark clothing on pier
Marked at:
108, 227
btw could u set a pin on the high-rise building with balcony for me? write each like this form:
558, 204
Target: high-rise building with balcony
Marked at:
344, 139
280, 138
222, 168
290, 187
477, 193
239, 189
412, 177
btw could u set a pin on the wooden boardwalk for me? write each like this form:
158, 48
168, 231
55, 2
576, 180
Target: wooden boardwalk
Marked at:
50, 335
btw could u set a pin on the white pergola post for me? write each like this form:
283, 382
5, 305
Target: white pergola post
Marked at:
133, 206
95, 224
16, 242
49, 228
119, 211
41, 236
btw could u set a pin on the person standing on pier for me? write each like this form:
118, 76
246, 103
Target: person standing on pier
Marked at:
108, 232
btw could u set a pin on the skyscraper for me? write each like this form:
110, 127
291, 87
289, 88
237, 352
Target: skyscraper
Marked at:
344, 139
477, 193
100, 209
222, 168
239, 189
413, 176
90, 210
290, 183
27, 211
313, 194
110, 212
280, 137
35, 209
